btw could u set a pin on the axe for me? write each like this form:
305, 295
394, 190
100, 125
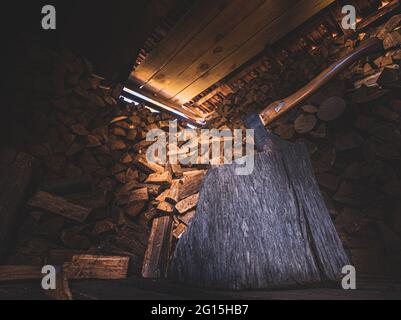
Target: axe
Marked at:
258, 122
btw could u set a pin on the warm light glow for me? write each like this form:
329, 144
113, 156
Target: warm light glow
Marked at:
156, 103
334, 34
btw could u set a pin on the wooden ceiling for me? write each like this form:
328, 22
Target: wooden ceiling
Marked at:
214, 38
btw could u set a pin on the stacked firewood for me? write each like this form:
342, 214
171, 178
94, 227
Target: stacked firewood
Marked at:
95, 193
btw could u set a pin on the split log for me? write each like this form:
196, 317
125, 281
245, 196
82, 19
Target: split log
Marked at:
18, 273
173, 195
179, 231
160, 178
15, 178
165, 207
134, 210
68, 185
348, 141
139, 195
191, 183
156, 257
90, 200
331, 109
310, 109
187, 218
305, 123
97, 267
60, 206
187, 204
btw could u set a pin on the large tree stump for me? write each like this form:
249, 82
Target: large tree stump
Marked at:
270, 229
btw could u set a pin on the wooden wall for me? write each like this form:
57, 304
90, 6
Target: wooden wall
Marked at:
215, 38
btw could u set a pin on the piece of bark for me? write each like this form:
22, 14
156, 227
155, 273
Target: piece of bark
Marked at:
155, 263
60, 206
331, 109
160, 178
97, 267
15, 181
305, 123
187, 204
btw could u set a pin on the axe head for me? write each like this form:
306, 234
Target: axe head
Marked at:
264, 140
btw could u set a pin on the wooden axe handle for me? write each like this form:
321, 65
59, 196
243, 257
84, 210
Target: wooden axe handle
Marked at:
278, 108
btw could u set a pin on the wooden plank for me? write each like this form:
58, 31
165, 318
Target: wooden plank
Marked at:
173, 76
156, 256
237, 36
15, 176
97, 267
192, 23
58, 205
298, 14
